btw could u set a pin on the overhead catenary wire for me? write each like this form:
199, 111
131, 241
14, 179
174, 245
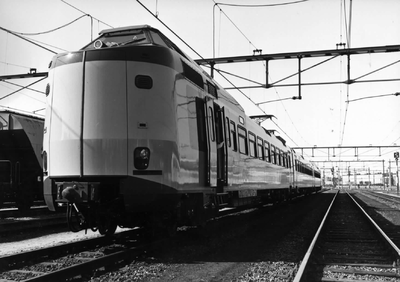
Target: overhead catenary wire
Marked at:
51, 30
348, 33
220, 73
15, 65
25, 87
91, 18
375, 96
261, 5
166, 26
26, 39
15, 84
26, 95
86, 13
36, 43
49, 45
240, 31
280, 99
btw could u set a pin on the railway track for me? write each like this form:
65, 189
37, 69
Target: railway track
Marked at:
14, 212
392, 198
83, 259
73, 260
349, 246
13, 222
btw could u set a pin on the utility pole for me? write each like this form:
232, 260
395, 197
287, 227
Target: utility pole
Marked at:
396, 156
369, 178
355, 177
348, 174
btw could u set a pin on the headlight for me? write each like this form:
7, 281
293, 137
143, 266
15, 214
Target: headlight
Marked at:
141, 157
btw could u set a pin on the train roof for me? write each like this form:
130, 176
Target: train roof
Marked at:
21, 113
126, 28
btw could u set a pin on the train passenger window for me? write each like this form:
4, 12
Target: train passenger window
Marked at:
252, 145
279, 156
227, 133
212, 89
267, 151
211, 123
273, 154
260, 148
233, 136
192, 75
283, 159
242, 135
289, 161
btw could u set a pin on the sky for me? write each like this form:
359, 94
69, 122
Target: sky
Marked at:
321, 118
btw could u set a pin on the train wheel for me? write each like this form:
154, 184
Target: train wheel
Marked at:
106, 226
74, 218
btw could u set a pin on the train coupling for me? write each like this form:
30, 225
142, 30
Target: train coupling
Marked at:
77, 192
73, 194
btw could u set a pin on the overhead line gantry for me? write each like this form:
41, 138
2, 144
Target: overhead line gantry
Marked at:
332, 53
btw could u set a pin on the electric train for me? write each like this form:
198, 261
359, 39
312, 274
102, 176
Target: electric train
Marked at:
137, 134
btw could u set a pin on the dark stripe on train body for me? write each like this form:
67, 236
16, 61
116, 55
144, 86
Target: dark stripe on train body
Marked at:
148, 54
147, 172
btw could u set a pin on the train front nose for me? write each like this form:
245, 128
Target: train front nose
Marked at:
88, 122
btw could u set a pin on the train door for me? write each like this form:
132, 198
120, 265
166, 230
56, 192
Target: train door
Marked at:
212, 148
291, 172
294, 172
226, 136
211, 143
220, 138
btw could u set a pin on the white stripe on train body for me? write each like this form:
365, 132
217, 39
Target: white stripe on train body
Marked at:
133, 126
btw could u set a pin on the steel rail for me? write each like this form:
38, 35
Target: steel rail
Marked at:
87, 267
13, 261
304, 262
383, 234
